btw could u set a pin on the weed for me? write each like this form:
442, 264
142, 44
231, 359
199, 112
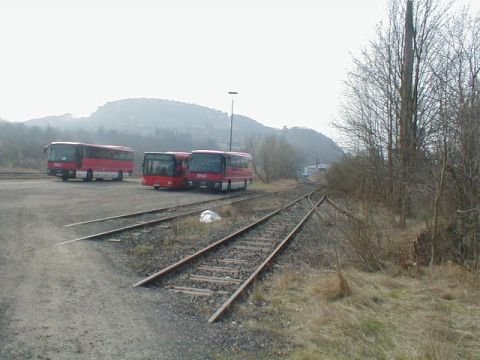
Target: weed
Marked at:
383, 317
370, 326
257, 296
396, 294
142, 250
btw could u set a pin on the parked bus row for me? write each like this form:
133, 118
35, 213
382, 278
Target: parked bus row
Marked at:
199, 169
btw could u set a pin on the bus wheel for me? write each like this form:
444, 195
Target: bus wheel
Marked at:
229, 186
156, 187
120, 176
89, 175
245, 185
64, 178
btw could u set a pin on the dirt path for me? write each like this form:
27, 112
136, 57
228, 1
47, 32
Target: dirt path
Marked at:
67, 302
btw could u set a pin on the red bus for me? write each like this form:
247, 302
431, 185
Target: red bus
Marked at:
219, 170
165, 169
70, 160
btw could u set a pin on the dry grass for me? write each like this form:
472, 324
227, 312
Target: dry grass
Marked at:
20, 170
142, 250
433, 316
143, 255
371, 237
278, 185
189, 229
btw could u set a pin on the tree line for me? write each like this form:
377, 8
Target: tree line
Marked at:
22, 146
410, 117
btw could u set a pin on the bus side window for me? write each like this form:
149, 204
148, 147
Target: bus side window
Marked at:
183, 167
178, 170
79, 155
225, 163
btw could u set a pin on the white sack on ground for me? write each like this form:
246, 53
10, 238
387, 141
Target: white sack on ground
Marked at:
208, 216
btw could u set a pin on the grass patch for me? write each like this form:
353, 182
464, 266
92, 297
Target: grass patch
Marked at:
432, 316
142, 250
370, 326
278, 185
19, 169
143, 255
191, 229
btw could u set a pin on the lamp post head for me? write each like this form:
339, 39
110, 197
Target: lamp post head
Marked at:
233, 93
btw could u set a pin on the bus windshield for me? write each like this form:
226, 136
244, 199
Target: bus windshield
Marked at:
63, 153
212, 163
159, 164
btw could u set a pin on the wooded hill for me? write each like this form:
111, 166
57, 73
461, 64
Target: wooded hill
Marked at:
154, 125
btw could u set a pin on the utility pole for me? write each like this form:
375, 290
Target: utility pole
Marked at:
406, 113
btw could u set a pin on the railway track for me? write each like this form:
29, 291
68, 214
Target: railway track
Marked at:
147, 218
160, 210
22, 175
223, 270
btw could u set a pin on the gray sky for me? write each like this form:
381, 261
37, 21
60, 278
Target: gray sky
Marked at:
286, 58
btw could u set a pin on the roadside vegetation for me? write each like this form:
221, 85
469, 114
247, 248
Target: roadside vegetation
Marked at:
401, 276
354, 291
278, 185
412, 124
429, 316
274, 158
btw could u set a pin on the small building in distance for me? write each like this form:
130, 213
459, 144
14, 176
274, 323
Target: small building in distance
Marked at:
315, 169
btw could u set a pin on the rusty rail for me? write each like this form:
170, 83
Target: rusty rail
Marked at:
165, 209
151, 222
198, 254
239, 292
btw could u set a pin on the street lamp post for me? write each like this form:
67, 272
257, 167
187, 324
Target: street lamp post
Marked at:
231, 118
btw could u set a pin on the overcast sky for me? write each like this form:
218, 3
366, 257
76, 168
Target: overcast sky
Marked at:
286, 58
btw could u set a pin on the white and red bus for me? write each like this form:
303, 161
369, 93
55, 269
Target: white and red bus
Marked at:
165, 169
70, 160
219, 170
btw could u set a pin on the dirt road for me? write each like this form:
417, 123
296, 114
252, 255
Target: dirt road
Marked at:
67, 302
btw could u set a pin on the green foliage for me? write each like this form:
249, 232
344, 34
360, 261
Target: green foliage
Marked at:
370, 326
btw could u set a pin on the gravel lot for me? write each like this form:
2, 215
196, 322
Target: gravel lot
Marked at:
72, 302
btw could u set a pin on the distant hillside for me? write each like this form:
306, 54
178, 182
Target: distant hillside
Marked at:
148, 117
316, 147
55, 121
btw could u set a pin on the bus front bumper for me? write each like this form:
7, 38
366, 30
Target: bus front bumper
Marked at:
210, 185
61, 173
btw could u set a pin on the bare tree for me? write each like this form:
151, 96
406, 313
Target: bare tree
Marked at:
274, 158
